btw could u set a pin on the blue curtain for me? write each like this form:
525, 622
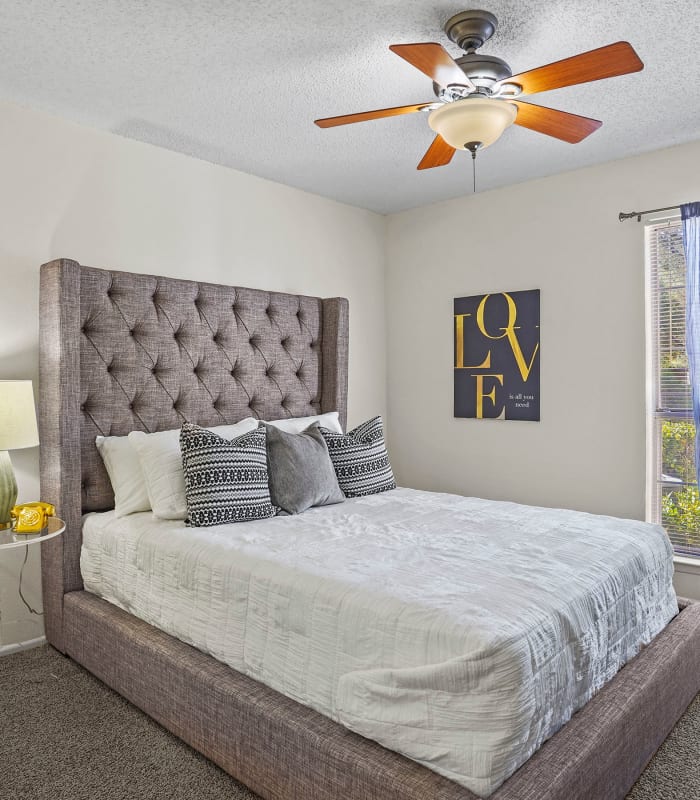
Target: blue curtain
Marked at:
690, 216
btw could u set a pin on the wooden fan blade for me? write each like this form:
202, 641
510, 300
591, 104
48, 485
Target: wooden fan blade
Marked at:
331, 122
604, 62
568, 127
438, 154
433, 60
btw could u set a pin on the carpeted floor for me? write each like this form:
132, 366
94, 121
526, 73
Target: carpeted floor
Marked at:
66, 736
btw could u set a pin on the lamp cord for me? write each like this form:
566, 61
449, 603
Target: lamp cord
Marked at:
21, 594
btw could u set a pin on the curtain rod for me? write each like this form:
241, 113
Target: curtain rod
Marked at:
639, 214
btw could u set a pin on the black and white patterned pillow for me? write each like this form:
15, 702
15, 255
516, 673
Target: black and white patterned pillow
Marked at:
225, 480
360, 459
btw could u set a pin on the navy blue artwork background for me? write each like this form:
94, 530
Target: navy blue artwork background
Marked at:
520, 399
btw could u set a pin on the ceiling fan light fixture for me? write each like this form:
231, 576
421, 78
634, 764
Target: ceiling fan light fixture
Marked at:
474, 119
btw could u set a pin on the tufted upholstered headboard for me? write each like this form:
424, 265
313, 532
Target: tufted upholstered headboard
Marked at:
122, 351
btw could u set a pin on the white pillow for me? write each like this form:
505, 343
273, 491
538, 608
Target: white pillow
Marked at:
161, 465
124, 469
328, 420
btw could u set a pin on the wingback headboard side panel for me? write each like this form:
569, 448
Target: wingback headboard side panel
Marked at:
59, 433
123, 351
335, 357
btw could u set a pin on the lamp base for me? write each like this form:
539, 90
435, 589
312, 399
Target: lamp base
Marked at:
8, 489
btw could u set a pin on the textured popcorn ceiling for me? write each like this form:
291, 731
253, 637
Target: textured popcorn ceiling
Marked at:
240, 83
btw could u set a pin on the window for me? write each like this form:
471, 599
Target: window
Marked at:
672, 489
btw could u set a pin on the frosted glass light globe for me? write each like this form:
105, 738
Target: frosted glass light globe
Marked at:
474, 119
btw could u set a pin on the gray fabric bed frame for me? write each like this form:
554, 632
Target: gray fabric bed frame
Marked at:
123, 351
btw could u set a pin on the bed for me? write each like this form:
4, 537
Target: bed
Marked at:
146, 353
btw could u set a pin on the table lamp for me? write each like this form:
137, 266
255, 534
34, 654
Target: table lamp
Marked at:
17, 430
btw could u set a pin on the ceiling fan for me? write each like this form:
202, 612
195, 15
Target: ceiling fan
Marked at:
477, 92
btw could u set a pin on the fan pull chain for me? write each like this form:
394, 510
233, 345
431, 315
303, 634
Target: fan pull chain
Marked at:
473, 147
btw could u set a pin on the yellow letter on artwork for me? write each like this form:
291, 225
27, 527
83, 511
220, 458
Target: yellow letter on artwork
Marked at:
508, 331
491, 395
459, 346
480, 311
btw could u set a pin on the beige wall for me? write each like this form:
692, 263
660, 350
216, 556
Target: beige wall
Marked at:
66, 190
561, 235
107, 201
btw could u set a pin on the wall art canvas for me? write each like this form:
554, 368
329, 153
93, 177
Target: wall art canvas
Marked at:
497, 356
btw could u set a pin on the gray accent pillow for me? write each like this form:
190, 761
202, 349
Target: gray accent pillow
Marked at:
300, 471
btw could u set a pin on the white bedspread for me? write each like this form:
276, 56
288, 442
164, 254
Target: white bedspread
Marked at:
460, 632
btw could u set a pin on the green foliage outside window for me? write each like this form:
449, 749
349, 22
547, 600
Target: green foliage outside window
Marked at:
680, 508
681, 513
678, 449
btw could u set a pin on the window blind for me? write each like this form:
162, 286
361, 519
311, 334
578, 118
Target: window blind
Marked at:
673, 498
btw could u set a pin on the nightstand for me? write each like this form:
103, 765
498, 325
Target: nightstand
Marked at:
8, 539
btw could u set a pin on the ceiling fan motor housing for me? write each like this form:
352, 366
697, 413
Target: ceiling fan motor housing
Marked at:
469, 30
482, 70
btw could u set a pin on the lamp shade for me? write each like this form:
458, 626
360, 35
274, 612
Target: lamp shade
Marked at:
17, 416
474, 119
